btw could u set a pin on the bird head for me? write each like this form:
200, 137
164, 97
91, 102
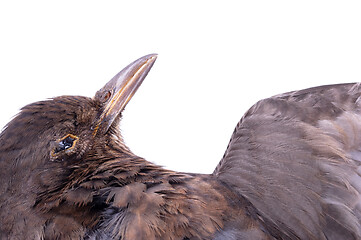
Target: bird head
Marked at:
47, 140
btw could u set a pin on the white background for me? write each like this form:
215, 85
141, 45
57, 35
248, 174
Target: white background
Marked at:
216, 59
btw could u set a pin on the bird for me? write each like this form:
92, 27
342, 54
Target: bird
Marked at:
291, 171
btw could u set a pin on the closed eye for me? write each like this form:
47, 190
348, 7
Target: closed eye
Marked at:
65, 143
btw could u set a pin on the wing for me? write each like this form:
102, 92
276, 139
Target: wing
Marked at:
296, 158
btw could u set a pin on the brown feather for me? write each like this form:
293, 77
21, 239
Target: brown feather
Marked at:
291, 171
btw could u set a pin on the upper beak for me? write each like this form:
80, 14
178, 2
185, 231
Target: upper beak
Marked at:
115, 95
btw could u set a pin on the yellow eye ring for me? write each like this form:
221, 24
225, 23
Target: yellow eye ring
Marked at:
65, 143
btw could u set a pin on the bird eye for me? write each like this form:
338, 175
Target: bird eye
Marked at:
65, 143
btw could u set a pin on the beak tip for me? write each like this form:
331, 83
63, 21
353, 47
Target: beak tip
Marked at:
152, 57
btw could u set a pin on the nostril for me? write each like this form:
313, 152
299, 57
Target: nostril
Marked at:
106, 96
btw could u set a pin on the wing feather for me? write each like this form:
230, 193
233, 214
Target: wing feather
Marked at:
296, 157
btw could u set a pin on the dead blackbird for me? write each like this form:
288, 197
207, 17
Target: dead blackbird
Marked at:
291, 171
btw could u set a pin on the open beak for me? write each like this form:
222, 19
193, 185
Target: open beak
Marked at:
115, 95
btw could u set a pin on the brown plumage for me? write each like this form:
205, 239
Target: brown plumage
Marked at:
291, 171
